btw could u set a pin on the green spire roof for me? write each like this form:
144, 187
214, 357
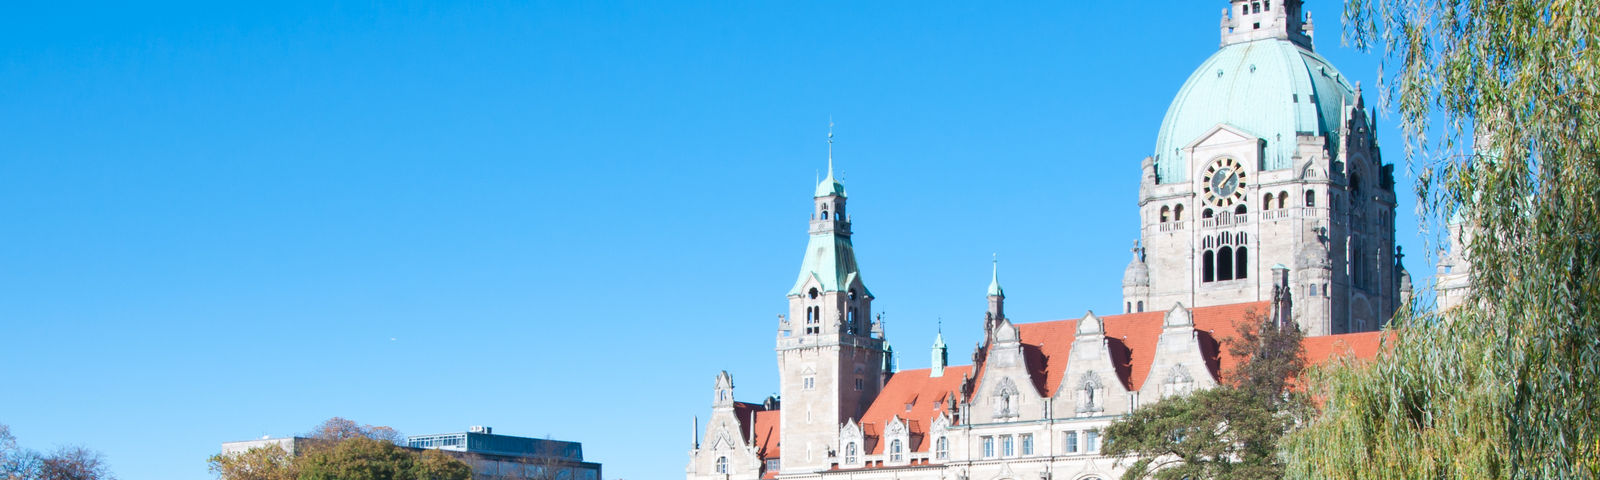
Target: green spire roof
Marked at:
829, 186
994, 282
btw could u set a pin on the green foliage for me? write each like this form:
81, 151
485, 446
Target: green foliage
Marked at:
1506, 385
340, 449
271, 462
1231, 431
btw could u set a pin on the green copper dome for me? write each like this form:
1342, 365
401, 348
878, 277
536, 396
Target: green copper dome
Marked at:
1270, 88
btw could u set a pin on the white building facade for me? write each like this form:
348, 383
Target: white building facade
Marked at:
1266, 198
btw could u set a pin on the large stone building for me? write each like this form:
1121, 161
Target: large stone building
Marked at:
1266, 197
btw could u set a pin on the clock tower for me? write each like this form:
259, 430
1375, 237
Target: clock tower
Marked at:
1267, 157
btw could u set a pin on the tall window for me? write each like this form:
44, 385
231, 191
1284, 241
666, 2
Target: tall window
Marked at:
1090, 440
1283, 199
1224, 267
722, 465
1241, 263
1027, 444
1071, 442
1166, 213
850, 453
941, 449
1007, 446
1177, 213
896, 451
1311, 198
1209, 267
988, 447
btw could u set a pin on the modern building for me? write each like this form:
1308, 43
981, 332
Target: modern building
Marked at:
495, 456
1265, 198
491, 456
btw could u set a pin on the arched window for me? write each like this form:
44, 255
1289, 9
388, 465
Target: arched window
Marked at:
1313, 289
1177, 213
824, 215
1242, 267
850, 321
850, 453
838, 216
813, 294
1141, 306
1240, 210
1224, 267
1283, 199
1166, 212
1209, 267
1207, 213
1311, 198
722, 463
1128, 308
941, 449
896, 451
1266, 202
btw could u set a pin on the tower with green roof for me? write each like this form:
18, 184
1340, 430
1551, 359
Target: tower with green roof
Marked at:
832, 356
1265, 156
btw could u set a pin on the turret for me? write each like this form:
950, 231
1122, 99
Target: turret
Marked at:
997, 299
1249, 20
941, 355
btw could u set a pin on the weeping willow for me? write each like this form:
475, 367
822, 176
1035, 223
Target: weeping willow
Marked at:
1500, 104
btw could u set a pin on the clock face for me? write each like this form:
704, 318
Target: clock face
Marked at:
1224, 182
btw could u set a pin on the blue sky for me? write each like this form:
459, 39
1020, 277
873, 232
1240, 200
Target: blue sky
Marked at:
223, 220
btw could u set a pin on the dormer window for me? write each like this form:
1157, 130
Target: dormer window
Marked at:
896, 451
850, 453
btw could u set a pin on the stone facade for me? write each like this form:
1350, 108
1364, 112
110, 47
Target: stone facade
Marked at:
1266, 200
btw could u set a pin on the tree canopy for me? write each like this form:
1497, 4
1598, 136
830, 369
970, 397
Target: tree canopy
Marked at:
344, 450
1500, 102
1231, 431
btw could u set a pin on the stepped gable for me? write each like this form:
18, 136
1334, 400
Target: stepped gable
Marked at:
926, 395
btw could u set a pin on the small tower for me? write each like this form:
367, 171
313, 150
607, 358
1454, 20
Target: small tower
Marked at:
941, 355
1249, 20
1135, 282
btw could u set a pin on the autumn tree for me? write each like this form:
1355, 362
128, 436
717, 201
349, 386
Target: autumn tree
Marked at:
1500, 103
1230, 431
271, 462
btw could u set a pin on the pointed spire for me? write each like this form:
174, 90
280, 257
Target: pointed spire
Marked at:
941, 355
994, 279
829, 186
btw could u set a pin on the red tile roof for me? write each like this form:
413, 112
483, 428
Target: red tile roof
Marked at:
926, 395
1132, 339
766, 439
1332, 347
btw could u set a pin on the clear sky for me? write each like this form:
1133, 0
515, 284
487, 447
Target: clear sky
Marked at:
224, 220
